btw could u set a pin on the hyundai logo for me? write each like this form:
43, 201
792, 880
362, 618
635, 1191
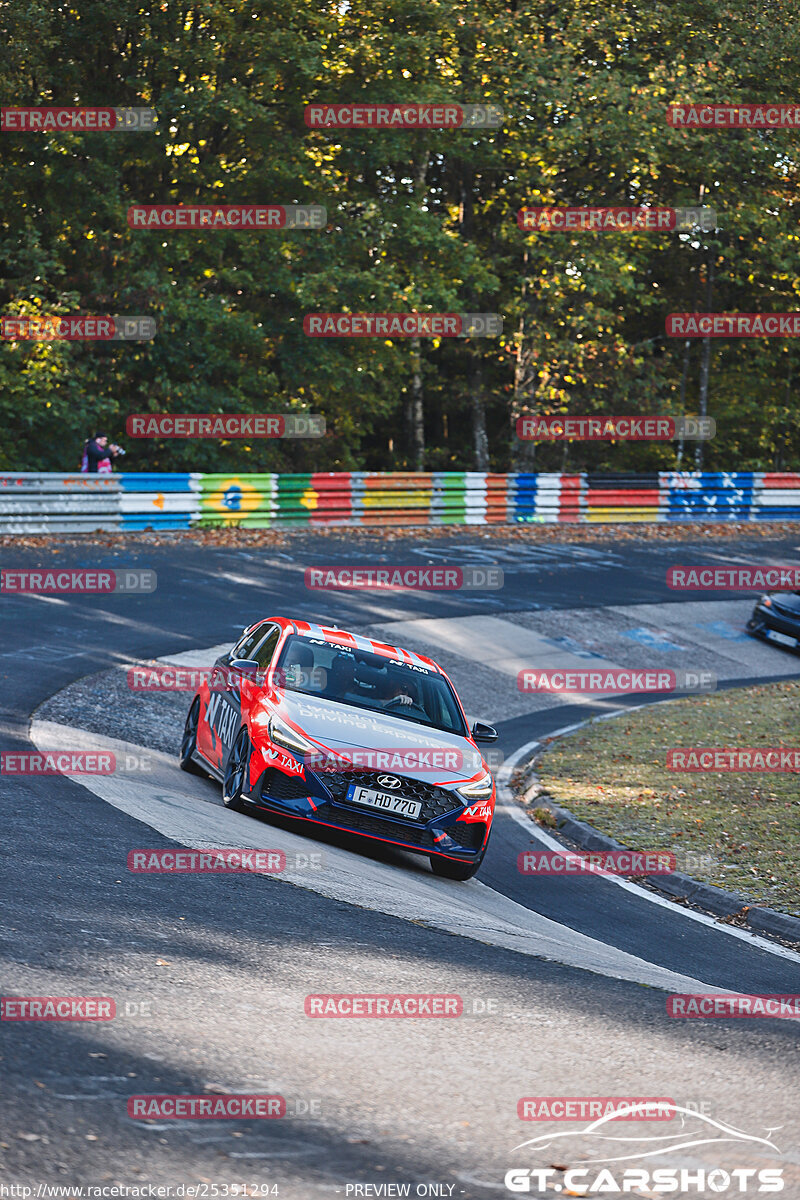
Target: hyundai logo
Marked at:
390, 781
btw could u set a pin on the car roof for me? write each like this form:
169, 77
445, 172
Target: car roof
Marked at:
342, 637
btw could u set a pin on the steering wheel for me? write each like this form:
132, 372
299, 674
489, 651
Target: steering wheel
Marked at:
396, 702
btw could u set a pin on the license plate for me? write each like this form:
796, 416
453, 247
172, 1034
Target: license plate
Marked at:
783, 638
384, 801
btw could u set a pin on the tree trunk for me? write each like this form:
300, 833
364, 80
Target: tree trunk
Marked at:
687, 347
417, 407
705, 362
522, 453
480, 440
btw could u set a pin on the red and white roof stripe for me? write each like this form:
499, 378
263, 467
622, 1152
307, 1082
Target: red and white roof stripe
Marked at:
343, 636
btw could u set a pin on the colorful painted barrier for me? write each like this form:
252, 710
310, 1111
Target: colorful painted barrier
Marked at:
708, 495
33, 502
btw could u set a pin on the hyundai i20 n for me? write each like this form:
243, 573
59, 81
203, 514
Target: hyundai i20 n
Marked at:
333, 728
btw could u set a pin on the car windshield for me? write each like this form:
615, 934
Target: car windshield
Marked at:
366, 680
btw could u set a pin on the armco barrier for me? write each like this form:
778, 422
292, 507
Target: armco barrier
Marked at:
33, 502
709, 496
612, 498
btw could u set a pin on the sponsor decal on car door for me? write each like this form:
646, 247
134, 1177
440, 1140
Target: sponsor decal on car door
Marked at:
222, 719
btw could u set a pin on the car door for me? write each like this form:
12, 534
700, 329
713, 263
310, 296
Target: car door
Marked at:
222, 714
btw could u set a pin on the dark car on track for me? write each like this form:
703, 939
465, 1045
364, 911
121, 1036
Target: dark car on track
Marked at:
333, 728
776, 618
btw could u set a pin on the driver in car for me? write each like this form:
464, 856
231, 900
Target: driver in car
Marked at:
398, 692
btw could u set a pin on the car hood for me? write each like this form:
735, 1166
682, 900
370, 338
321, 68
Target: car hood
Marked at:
341, 727
788, 600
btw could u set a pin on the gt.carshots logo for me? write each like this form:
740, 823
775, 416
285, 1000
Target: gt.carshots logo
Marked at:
413, 578
383, 1005
403, 325
696, 1129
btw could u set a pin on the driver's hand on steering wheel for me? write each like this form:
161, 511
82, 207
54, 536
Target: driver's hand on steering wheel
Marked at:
401, 698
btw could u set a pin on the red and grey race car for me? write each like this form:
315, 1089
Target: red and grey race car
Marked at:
327, 726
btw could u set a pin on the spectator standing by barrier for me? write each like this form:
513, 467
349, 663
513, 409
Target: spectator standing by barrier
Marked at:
98, 456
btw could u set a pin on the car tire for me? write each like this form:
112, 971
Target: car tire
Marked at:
189, 740
448, 868
236, 772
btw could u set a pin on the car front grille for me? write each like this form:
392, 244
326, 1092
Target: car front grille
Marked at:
362, 822
436, 801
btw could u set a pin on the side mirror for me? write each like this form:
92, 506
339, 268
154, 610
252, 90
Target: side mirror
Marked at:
247, 667
483, 733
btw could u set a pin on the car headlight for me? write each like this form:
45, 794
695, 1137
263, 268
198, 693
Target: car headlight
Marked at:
282, 735
766, 602
479, 789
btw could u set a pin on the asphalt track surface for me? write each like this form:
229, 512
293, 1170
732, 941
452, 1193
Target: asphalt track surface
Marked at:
220, 966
